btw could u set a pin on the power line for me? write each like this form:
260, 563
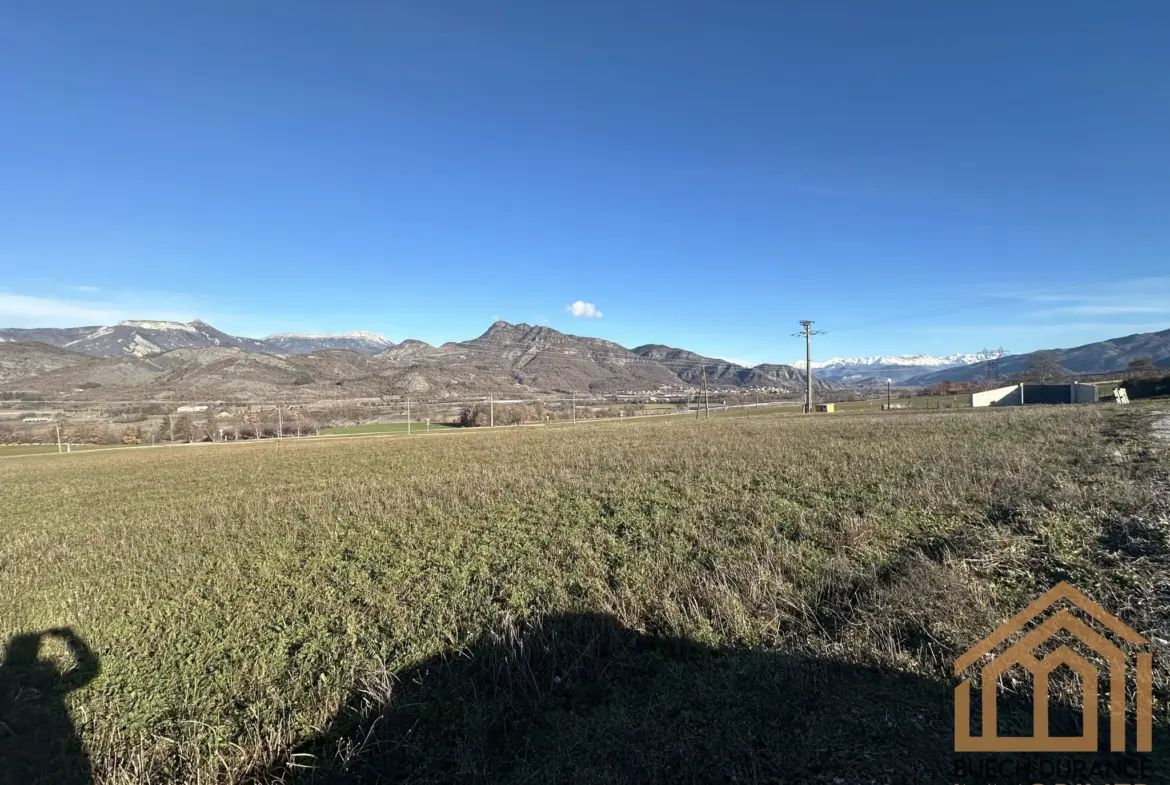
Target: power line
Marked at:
373, 435
993, 357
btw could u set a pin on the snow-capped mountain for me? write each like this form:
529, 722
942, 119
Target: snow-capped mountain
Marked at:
897, 367
897, 361
145, 338
303, 343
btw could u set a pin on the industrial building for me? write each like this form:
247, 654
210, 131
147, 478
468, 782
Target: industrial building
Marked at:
1029, 392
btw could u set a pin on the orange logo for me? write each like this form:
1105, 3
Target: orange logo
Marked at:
1020, 653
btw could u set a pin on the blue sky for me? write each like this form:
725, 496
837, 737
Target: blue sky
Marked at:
916, 177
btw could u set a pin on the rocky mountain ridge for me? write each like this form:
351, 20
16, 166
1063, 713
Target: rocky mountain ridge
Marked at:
196, 360
145, 338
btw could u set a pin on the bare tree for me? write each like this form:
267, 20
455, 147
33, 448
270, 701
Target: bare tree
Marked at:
1142, 365
1044, 366
184, 428
211, 425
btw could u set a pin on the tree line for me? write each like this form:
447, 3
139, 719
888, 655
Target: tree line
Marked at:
208, 427
481, 415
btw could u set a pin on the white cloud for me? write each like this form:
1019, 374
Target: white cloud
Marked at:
1104, 310
583, 310
1123, 298
22, 310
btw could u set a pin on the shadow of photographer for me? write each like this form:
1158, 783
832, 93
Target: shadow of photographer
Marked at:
571, 698
38, 742
579, 698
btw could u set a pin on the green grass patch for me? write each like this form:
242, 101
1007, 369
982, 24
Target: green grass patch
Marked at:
914, 402
27, 449
391, 427
46, 449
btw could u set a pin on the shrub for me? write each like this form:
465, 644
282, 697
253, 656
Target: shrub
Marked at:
478, 416
1147, 387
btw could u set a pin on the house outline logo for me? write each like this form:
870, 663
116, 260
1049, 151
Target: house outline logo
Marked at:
1020, 653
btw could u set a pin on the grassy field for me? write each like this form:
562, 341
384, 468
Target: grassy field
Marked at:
745, 599
45, 449
27, 449
915, 402
386, 427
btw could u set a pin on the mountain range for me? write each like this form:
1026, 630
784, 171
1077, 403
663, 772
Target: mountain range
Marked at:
145, 338
195, 360
922, 370
139, 359
865, 371
1108, 356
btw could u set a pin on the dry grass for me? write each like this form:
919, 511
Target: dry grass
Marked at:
546, 604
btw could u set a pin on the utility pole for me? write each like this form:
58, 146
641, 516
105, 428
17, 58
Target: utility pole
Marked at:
574, 400
808, 332
408, 417
888, 383
491, 411
58, 427
706, 402
279, 423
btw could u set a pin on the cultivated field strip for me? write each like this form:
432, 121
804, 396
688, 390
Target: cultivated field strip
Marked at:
720, 581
